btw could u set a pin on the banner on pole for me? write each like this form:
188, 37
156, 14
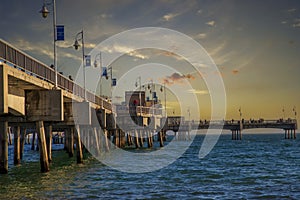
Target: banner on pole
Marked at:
113, 82
87, 60
60, 33
104, 71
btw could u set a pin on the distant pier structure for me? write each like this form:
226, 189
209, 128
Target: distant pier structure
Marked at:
29, 100
235, 126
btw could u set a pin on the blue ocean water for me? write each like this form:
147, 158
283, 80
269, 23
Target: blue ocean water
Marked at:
261, 166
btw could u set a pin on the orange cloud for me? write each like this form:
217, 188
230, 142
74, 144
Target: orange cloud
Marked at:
177, 78
235, 71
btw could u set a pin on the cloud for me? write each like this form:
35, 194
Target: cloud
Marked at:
211, 23
296, 23
177, 78
235, 71
126, 50
292, 10
105, 16
201, 36
169, 17
200, 92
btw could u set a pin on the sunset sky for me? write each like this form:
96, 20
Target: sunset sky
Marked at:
255, 44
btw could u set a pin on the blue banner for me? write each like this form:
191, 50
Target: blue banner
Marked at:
60, 33
87, 60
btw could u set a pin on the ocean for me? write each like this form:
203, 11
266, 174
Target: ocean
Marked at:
261, 166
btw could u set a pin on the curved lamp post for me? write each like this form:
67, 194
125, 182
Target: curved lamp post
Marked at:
45, 13
79, 37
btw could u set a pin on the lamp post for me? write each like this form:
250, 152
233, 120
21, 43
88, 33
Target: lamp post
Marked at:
76, 46
140, 95
165, 95
295, 112
99, 55
45, 13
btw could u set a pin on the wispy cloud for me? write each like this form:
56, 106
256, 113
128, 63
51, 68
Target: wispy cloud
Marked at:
296, 23
170, 16
235, 71
125, 50
292, 10
211, 23
199, 92
177, 78
201, 36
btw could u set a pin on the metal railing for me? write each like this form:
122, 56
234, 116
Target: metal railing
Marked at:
20, 60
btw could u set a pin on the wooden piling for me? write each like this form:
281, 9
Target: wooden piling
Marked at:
141, 133
71, 142
49, 141
44, 162
294, 133
33, 141
22, 142
97, 146
136, 139
3, 147
9, 136
79, 154
106, 140
285, 135
160, 138
17, 157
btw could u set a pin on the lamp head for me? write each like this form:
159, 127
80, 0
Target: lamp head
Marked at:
76, 44
44, 11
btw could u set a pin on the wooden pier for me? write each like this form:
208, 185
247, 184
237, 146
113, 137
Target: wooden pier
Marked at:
29, 101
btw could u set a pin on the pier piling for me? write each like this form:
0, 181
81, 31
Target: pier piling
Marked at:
44, 162
4, 147
79, 154
17, 156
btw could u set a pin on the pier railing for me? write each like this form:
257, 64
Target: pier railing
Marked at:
20, 60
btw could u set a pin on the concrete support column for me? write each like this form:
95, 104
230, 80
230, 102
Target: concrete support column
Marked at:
17, 156
3, 147
44, 162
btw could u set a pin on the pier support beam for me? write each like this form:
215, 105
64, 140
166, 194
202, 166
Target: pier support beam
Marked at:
44, 162
3, 147
17, 156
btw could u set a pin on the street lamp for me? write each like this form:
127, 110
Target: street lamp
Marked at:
45, 13
163, 89
99, 55
76, 46
140, 95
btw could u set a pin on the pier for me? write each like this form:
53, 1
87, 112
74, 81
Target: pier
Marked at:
30, 100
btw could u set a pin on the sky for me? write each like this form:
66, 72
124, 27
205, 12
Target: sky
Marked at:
254, 44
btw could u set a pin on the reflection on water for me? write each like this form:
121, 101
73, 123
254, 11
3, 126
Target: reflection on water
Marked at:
259, 166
